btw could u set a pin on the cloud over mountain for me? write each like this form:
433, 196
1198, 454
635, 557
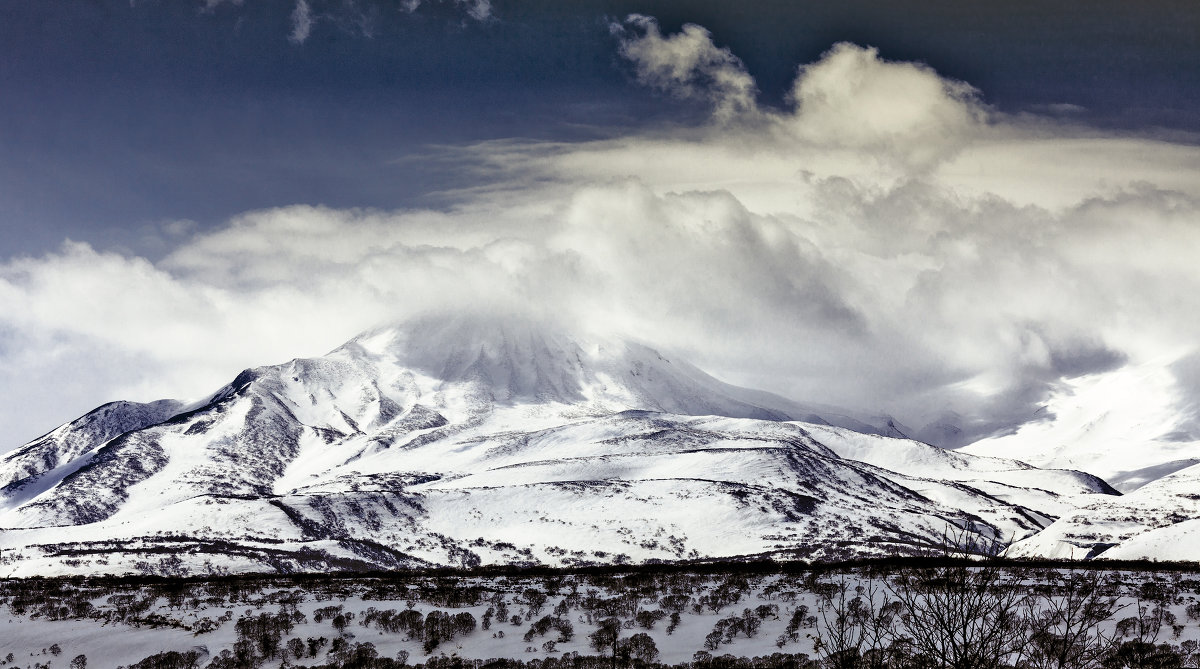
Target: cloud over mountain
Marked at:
885, 242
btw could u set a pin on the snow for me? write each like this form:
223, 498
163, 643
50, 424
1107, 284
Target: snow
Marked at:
455, 440
121, 643
1128, 426
1153, 522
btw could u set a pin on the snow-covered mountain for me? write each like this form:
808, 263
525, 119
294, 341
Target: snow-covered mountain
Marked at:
1130, 426
1136, 427
475, 440
1160, 521
62, 446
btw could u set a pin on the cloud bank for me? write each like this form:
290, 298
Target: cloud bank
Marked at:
885, 243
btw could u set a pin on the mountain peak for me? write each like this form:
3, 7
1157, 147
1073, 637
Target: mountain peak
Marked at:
516, 359
469, 439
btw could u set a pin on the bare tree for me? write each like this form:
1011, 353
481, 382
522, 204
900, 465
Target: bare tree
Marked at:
1065, 621
1139, 646
879, 633
838, 639
962, 616
856, 625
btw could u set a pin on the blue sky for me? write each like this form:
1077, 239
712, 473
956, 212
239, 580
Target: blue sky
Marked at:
944, 211
119, 115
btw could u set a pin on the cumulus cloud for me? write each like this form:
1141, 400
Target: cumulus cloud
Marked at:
850, 98
950, 287
687, 64
853, 98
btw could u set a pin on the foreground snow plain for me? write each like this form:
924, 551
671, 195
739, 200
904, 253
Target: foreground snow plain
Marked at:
116, 624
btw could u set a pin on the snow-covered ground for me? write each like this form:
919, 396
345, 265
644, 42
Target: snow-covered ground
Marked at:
464, 441
121, 624
1129, 426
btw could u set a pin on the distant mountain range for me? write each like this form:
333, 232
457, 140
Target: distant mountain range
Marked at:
469, 440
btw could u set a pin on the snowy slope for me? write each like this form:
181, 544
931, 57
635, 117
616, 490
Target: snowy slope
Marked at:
461, 441
1157, 521
1129, 426
1132, 426
57, 449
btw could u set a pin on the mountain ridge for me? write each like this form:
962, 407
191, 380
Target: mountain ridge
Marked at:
466, 441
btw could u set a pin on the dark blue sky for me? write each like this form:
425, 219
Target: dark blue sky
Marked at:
117, 116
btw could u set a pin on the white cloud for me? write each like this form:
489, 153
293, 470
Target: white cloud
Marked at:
853, 98
302, 22
208, 5
480, 10
945, 283
349, 16
849, 99
1064, 108
687, 64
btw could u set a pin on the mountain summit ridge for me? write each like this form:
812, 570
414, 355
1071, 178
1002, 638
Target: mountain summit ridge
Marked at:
517, 358
466, 440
